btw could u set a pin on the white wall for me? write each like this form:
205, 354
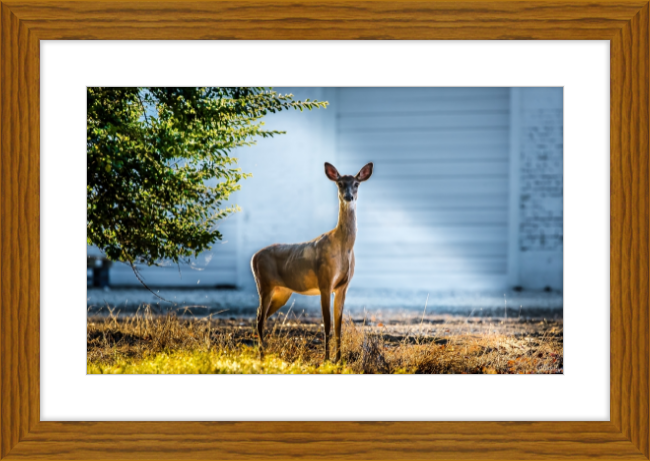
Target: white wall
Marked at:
288, 199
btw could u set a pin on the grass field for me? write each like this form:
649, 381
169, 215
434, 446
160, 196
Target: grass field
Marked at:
406, 343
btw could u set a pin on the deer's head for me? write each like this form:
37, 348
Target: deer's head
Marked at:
348, 185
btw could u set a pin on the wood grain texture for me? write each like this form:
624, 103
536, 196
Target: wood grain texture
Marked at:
629, 229
19, 260
412, 440
314, 20
24, 23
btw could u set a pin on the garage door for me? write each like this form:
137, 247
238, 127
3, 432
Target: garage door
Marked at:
435, 213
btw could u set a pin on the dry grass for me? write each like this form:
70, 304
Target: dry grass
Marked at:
149, 343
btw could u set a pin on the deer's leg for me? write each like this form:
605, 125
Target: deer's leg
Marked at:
339, 302
266, 297
280, 298
325, 300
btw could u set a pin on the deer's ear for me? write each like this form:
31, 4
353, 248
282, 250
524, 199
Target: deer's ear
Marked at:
331, 172
365, 172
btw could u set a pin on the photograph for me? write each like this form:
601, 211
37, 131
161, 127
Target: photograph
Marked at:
391, 201
324, 230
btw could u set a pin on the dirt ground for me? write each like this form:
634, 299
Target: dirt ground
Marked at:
380, 343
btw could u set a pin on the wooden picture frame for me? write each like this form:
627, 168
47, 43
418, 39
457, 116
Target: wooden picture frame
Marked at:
25, 23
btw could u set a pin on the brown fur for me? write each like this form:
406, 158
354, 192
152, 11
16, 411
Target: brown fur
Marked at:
322, 266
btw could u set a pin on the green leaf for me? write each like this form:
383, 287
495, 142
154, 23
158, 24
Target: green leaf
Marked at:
170, 149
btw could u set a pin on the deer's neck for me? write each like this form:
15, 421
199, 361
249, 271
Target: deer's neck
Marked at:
346, 228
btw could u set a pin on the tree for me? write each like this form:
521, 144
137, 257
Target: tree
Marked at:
160, 165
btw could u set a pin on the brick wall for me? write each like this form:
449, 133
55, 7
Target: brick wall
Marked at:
541, 187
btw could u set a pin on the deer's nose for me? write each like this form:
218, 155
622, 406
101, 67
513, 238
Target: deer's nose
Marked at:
348, 197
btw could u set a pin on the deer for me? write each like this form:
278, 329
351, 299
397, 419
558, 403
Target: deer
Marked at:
321, 266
